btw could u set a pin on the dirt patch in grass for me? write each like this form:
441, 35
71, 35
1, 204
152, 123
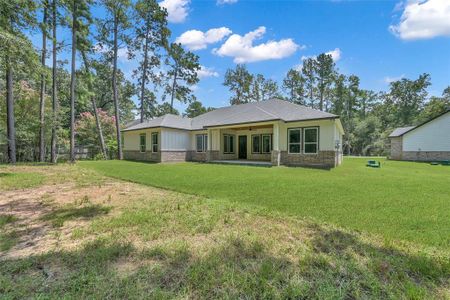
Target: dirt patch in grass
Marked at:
114, 239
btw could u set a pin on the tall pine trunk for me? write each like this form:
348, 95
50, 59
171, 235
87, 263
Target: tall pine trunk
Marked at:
99, 128
173, 89
72, 83
144, 75
10, 113
114, 86
54, 96
42, 96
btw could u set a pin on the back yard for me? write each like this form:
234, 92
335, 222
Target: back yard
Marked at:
213, 231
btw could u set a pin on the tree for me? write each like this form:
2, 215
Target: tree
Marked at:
54, 78
81, 20
324, 69
436, 106
15, 50
164, 109
263, 89
183, 70
239, 82
113, 33
44, 26
294, 86
308, 71
196, 108
339, 95
150, 36
408, 97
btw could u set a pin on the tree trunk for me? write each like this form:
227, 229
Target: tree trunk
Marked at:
173, 88
114, 86
144, 75
42, 96
99, 128
10, 113
72, 84
54, 96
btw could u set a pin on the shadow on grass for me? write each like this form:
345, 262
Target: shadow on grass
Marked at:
336, 265
61, 215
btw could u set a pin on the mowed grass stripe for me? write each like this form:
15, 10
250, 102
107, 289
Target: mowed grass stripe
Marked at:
402, 200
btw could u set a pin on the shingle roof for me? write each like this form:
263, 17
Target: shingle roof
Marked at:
274, 109
400, 131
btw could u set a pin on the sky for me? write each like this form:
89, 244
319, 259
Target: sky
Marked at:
379, 41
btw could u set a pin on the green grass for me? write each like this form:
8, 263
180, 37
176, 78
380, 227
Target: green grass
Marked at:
18, 180
401, 201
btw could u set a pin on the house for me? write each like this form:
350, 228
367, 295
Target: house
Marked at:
274, 131
429, 141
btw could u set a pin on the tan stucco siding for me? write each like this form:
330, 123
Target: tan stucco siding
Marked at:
132, 142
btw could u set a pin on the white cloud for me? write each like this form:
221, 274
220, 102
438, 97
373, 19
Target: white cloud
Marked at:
389, 79
206, 72
423, 20
335, 54
196, 39
177, 10
243, 50
222, 2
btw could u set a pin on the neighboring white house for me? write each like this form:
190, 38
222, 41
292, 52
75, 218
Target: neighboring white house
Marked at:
274, 131
429, 141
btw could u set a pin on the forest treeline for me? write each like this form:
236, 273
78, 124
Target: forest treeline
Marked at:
54, 103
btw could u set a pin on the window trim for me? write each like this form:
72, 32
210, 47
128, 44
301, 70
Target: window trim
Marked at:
270, 143
204, 138
229, 139
299, 143
316, 142
145, 142
260, 143
157, 142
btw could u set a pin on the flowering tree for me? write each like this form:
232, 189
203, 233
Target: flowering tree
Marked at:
87, 135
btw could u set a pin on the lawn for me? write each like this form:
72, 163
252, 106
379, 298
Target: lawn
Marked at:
75, 234
402, 200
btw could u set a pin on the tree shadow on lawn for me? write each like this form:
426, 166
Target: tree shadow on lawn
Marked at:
334, 265
61, 215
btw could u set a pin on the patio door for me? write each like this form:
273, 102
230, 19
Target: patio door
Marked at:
242, 147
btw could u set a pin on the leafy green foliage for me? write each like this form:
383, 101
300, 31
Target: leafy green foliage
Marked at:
196, 108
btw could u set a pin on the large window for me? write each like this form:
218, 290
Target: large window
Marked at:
142, 142
154, 142
228, 143
266, 143
311, 140
294, 140
202, 142
256, 143
261, 143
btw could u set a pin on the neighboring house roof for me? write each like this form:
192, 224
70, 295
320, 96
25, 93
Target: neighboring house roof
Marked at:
270, 110
402, 130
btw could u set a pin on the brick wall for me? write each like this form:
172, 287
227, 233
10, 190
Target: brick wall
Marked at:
144, 156
425, 155
198, 156
212, 155
323, 159
396, 148
174, 156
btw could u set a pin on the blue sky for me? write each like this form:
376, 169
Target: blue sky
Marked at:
377, 40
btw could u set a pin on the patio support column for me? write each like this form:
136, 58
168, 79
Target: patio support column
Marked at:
276, 145
212, 153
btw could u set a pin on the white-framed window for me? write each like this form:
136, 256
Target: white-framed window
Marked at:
228, 143
142, 142
294, 140
311, 140
154, 142
266, 143
201, 142
256, 143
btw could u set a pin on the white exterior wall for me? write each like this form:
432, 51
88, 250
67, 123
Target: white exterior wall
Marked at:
432, 136
327, 133
131, 139
175, 140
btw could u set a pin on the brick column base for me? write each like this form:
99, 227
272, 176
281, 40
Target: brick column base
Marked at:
276, 158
